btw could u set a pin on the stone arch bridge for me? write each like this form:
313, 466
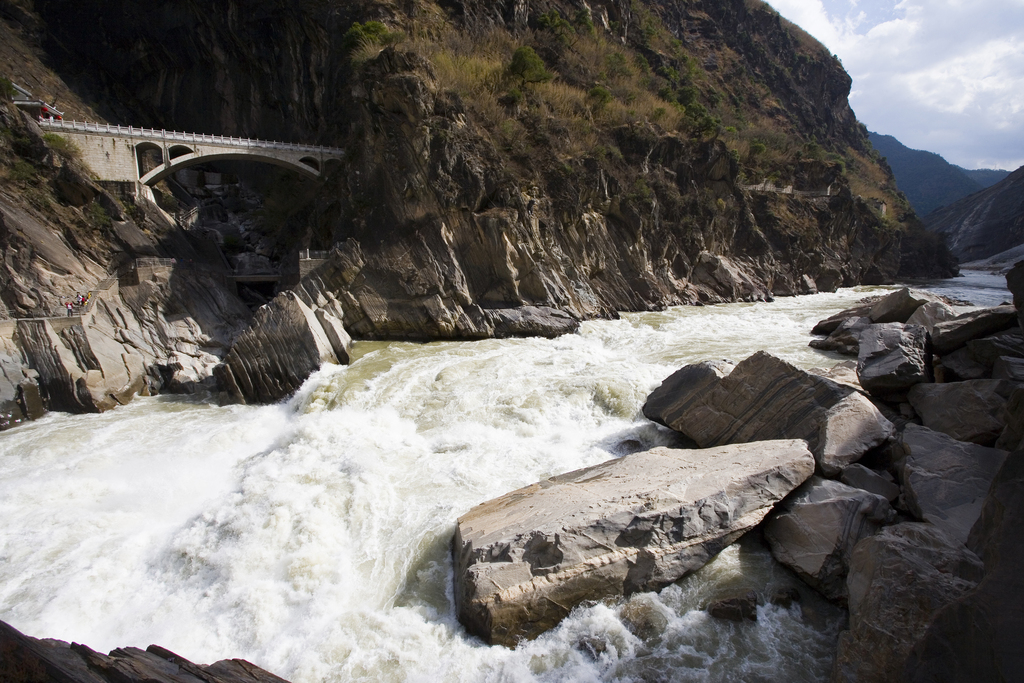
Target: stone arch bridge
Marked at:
147, 156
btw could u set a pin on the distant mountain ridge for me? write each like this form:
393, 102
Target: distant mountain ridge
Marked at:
929, 181
986, 223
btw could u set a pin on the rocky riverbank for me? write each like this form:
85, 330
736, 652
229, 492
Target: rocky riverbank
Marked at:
911, 520
24, 659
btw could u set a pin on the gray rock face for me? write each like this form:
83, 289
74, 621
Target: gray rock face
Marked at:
931, 314
669, 402
524, 560
845, 339
1012, 438
287, 342
950, 335
1008, 368
814, 531
860, 477
893, 358
898, 580
945, 481
31, 659
967, 411
959, 366
766, 398
988, 350
899, 306
978, 637
1015, 283
832, 323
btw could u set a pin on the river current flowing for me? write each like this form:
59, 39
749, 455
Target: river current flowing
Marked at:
313, 537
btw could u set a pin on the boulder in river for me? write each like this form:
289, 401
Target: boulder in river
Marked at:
944, 480
978, 636
814, 531
893, 358
638, 523
286, 343
967, 411
832, 323
899, 306
845, 339
24, 659
898, 580
766, 398
950, 335
931, 314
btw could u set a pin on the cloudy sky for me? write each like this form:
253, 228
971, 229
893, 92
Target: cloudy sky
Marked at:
945, 76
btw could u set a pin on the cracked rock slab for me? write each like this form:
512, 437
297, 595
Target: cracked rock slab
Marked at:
638, 523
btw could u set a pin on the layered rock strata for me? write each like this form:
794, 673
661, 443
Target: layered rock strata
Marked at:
766, 398
524, 560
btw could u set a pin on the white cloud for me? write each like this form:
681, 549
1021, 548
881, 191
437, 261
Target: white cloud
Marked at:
941, 75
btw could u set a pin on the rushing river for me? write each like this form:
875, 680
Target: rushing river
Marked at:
312, 537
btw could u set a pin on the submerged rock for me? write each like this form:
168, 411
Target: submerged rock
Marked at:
899, 579
524, 560
766, 398
24, 659
735, 608
814, 531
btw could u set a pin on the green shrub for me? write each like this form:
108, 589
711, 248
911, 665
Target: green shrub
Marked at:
62, 146
7, 90
617, 65
97, 215
600, 95
22, 171
528, 67
563, 30
371, 33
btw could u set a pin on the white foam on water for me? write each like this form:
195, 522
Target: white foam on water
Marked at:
312, 538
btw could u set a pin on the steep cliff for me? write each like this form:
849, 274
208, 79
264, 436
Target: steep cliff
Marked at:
618, 184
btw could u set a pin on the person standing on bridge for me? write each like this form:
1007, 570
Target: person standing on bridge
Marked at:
71, 308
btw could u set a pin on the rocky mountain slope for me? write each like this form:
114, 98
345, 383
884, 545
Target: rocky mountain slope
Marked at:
509, 168
986, 223
929, 181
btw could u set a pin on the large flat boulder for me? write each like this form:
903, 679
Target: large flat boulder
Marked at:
670, 401
898, 580
524, 560
814, 531
945, 481
978, 636
967, 411
950, 335
766, 398
893, 357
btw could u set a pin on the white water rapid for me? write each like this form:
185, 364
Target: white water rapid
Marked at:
312, 538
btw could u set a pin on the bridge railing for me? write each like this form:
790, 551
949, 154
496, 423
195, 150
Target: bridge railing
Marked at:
175, 136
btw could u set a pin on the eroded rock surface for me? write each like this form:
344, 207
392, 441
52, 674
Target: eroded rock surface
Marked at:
967, 411
524, 560
814, 531
766, 398
950, 335
978, 637
892, 358
898, 580
945, 481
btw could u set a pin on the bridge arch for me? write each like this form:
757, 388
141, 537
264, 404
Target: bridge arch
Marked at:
148, 155
176, 151
192, 159
311, 162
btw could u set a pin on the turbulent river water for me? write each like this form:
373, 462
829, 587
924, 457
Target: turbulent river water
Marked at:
312, 537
